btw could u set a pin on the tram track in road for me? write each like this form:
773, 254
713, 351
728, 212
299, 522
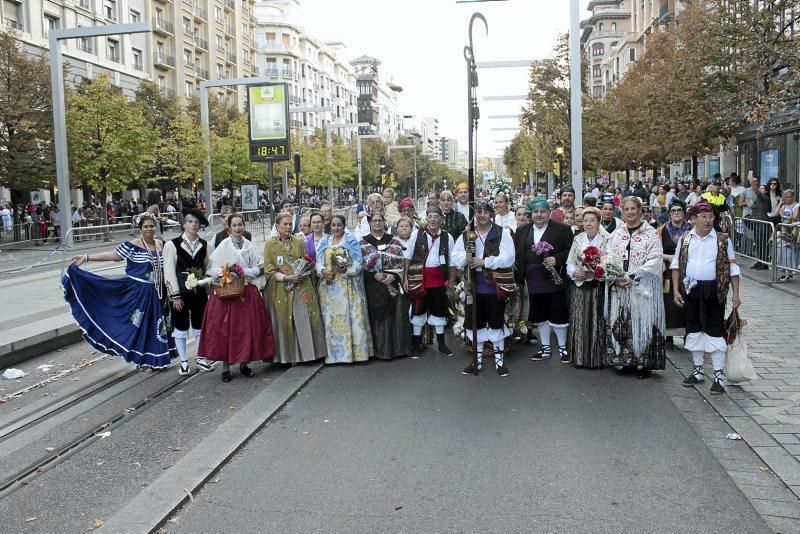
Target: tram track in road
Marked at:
22, 427
24, 476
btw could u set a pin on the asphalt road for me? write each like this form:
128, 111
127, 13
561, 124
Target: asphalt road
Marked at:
416, 446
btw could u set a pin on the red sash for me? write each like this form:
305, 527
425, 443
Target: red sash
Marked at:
433, 277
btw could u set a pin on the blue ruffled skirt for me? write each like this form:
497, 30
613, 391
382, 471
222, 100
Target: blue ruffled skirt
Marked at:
120, 316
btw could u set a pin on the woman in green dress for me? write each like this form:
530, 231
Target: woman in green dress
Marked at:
292, 300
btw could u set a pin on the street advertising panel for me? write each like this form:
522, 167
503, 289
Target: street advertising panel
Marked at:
268, 120
769, 165
249, 197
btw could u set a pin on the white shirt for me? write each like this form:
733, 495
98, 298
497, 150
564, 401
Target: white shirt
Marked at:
504, 259
702, 264
433, 259
506, 221
669, 197
538, 232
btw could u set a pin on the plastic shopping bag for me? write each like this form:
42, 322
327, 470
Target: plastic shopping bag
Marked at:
737, 364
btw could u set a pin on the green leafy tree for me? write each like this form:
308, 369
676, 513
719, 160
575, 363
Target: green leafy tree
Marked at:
230, 157
178, 155
110, 142
26, 117
222, 114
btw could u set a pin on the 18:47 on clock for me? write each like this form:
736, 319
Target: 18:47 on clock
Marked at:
270, 151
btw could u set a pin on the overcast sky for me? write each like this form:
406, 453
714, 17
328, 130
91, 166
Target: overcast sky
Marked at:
420, 45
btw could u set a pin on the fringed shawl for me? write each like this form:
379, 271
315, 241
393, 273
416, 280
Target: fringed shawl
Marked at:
643, 299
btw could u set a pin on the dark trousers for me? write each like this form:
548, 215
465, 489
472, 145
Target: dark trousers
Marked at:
194, 306
704, 312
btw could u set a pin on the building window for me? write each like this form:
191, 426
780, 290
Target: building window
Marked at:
137, 59
188, 27
135, 16
161, 82
600, 27
596, 71
633, 54
598, 49
112, 50
220, 42
270, 37
189, 89
218, 14
220, 70
187, 58
613, 26
85, 44
110, 9
50, 23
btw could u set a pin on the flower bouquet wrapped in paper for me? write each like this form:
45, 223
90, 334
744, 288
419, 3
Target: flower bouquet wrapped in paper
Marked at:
301, 268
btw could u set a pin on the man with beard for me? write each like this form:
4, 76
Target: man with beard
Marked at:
567, 199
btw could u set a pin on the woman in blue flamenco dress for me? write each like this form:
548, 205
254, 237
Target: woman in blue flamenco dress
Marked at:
125, 317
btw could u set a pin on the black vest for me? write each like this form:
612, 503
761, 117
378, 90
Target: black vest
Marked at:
184, 261
421, 249
491, 247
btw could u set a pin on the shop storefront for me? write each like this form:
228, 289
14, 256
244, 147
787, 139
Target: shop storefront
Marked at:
776, 154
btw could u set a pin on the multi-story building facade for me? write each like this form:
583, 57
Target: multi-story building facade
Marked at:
448, 151
313, 70
602, 32
645, 17
426, 130
190, 41
377, 100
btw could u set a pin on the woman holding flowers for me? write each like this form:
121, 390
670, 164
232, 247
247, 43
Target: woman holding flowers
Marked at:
586, 339
290, 294
635, 311
341, 296
236, 329
388, 306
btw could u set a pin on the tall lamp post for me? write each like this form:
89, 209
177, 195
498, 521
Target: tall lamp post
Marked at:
59, 108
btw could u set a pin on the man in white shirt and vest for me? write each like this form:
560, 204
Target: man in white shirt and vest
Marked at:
703, 269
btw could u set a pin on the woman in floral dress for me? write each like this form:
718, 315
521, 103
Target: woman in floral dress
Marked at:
342, 297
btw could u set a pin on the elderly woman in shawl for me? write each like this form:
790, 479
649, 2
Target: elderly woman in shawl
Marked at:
387, 304
342, 297
291, 296
635, 307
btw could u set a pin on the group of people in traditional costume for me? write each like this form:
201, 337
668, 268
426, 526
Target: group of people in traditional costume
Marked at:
609, 293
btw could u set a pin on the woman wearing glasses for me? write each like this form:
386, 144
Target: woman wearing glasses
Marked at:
671, 232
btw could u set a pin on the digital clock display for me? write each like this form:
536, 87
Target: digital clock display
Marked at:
269, 151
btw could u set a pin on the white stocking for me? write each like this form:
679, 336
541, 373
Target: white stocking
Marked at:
561, 335
498, 353
180, 344
544, 333
698, 357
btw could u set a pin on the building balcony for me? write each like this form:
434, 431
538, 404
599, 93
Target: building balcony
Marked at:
84, 4
163, 27
202, 73
189, 63
274, 47
230, 29
255, 70
200, 13
200, 43
230, 58
287, 73
230, 4
164, 61
164, 1
294, 100
85, 47
168, 92
271, 72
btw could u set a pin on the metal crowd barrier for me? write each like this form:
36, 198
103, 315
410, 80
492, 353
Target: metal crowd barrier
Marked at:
786, 243
756, 240
106, 230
